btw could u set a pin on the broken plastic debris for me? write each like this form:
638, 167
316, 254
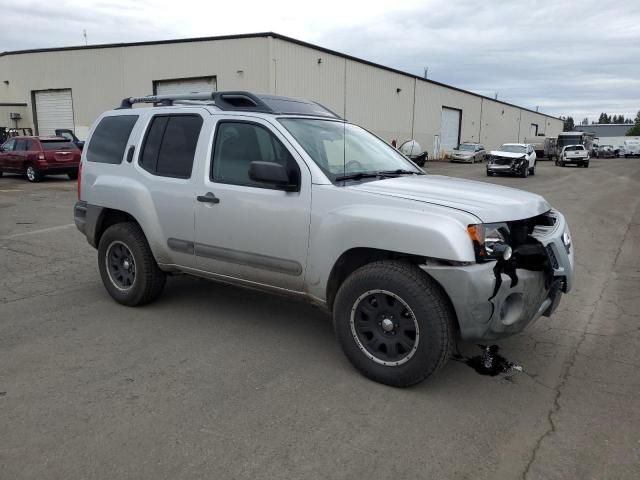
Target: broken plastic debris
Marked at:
491, 363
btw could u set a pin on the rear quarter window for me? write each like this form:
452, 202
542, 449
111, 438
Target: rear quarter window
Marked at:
109, 139
57, 145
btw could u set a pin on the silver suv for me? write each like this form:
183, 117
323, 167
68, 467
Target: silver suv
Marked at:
283, 195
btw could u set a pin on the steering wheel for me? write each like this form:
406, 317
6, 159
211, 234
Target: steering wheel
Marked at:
353, 163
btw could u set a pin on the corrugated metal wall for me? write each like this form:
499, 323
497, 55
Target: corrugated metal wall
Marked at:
100, 78
396, 106
392, 105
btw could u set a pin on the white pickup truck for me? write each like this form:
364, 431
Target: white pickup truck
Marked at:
576, 154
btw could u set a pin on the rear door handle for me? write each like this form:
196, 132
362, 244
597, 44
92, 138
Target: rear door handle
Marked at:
208, 198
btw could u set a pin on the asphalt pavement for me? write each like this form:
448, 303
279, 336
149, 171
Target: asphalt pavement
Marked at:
213, 381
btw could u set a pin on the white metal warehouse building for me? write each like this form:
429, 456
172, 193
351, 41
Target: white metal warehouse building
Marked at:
69, 87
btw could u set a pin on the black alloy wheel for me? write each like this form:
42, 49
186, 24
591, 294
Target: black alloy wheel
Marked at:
384, 327
121, 265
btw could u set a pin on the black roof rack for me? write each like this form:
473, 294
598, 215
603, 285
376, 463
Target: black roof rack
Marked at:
238, 101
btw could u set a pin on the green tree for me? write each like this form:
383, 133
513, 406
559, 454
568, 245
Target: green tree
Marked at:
635, 130
568, 124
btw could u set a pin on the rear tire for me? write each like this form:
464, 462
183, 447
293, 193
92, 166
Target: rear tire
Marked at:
73, 175
585, 164
127, 267
32, 173
394, 323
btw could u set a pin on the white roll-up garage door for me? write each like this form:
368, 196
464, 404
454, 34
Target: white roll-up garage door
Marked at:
450, 129
54, 109
187, 85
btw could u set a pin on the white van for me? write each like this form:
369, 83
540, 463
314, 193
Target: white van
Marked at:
631, 148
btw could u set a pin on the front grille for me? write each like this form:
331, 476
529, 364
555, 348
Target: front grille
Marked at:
552, 257
502, 161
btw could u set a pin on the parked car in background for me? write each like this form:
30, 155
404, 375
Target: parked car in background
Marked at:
574, 154
39, 156
469, 153
69, 135
513, 159
631, 148
604, 151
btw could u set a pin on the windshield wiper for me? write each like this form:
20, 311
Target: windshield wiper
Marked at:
358, 176
399, 171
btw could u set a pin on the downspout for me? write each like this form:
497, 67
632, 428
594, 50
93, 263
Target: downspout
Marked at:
272, 67
413, 116
519, 124
344, 100
481, 120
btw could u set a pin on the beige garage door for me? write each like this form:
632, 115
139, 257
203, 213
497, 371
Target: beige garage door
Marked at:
186, 85
54, 109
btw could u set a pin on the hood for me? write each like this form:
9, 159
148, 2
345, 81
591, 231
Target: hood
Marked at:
462, 153
489, 203
498, 153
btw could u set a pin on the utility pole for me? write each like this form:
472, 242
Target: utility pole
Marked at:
84, 34
426, 72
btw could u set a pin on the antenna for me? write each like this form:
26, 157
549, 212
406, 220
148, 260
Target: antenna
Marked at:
496, 96
426, 72
84, 34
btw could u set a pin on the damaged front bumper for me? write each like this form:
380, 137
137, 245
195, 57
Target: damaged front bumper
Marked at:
489, 309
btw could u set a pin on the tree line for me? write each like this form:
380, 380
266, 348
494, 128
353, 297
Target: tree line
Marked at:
569, 123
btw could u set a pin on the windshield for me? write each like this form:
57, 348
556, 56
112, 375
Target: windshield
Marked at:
361, 152
466, 147
513, 148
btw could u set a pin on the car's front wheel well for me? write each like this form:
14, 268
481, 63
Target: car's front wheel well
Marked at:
355, 258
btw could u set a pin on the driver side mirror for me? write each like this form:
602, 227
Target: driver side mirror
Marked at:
273, 174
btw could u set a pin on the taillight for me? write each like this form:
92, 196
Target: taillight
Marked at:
79, 178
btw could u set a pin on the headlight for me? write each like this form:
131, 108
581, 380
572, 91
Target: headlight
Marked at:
490, 241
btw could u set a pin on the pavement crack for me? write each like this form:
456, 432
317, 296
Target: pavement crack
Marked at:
555, 408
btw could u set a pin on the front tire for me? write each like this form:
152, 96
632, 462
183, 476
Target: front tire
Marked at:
394, 323
127, 267
532, 170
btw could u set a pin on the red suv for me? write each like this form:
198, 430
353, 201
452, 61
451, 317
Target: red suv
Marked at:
39, 156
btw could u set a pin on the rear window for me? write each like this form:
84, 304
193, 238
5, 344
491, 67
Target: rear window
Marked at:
575, 147
57, 145
109, 139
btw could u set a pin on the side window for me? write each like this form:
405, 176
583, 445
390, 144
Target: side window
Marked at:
237, 144
33, 146
110, 138
9, 145
170, 145
21, 145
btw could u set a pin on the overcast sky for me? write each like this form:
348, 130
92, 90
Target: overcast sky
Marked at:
568, 57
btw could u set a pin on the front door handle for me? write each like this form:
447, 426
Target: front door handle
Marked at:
208, 198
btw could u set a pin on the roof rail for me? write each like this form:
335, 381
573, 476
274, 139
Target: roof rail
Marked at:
223, 100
